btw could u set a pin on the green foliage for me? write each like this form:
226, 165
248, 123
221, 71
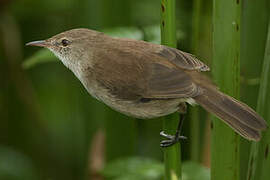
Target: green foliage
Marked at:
259, 163
225, 161
253, 21
195, 171
125, 32
16, 166
139, 168
134, 168
152, 34
40, 57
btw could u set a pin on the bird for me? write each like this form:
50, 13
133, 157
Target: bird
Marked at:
146, 80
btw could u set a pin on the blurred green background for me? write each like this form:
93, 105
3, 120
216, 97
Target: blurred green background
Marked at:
50, 128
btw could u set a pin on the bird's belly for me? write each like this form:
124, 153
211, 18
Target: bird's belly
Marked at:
136, 108
144, 110
153, 109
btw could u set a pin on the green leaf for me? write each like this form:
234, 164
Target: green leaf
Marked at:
194, 171
125, 32
15, 165
41, 56
152, 34
134, 168
259, 162
139, 168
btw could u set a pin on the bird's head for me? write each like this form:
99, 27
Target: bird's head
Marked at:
70, 46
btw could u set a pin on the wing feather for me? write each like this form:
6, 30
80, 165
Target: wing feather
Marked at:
182, 59
166, 82
152, 71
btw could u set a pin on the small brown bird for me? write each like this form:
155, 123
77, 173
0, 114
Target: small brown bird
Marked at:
146, 80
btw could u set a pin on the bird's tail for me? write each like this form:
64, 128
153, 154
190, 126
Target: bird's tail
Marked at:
237, 115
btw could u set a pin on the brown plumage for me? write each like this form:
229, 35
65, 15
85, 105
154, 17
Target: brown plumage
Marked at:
146, 80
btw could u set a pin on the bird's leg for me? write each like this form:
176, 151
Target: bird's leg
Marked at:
170, 139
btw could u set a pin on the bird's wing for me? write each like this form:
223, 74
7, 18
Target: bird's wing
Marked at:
131, 74
177, 57
169, 82
181, 59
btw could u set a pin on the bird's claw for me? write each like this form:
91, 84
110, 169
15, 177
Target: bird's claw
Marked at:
170, 140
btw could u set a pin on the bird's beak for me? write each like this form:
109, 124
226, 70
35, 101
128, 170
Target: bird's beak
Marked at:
42, 43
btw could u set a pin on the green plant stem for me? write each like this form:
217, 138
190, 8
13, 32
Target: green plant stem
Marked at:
201, 47
172, 155
259, 163
226, 65
197, 115
254, 21
194, 111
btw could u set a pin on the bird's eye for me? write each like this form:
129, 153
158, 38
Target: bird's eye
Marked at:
65, 42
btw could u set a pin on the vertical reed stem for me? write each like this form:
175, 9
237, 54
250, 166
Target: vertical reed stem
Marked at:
172, 155
226, 65
254, 21
195, 150
259, 163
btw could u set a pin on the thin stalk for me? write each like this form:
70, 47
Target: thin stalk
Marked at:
197, 7
172, 155
200, 40
259, 163
254, 21
194, 111
202, 48
225, 67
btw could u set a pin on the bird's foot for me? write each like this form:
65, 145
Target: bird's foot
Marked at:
170, 140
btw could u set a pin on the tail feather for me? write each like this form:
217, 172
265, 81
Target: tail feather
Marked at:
237, 115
